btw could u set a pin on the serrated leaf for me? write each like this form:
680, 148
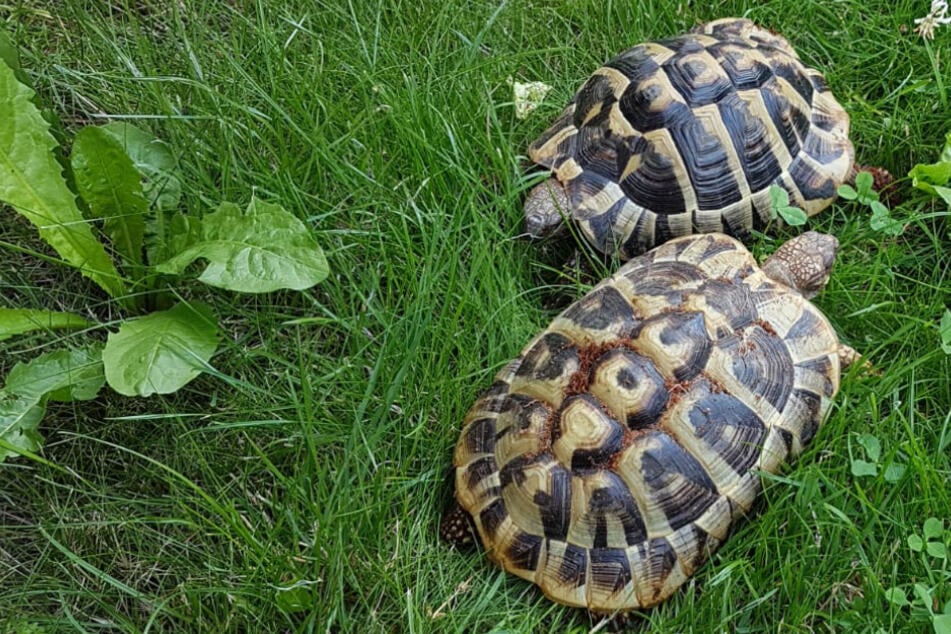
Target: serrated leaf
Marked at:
896, 596
847, 192
933, 528
63, 375
944, 330
262, 250
154, 160
18, 321
19, 418
112, 188
894, 472
861, 468
873, 448
941, 623
915, 543
936, 550
31, 181
161, 352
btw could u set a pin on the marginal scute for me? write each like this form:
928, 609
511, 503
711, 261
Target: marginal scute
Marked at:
687, 134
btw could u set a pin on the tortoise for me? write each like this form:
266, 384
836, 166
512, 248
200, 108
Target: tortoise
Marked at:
611, 458
686, 135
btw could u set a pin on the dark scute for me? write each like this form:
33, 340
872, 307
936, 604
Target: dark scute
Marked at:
616, 501
731, 429
601, 309
751, 140
653, 185
818, 82
707, 165
762, 363
736, 62
610, 568
636, 106
480, 438
823, 367
480, 469
521, 407
821, 149
807, 325
663, 277
689, 328
555, 507
811, 183
548, 358
716, 246
573, 566
597, 90
602, 225
702, 538
732, 300
810, 426
597, 151
514, 469
661, 561
787, 437
685, 74
492, 517
682, 45
683, 501
583, 459
524, 550
635, 63
793, 74
638, 372
779, 110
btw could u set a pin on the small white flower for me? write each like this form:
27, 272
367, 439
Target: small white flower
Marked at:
935, 18
528, 97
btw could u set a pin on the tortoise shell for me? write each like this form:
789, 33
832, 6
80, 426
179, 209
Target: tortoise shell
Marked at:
686, 135
613, 455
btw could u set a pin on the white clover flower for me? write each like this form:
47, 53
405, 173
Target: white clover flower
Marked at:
935, 18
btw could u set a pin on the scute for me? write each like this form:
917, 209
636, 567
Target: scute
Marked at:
613, 456
687, 134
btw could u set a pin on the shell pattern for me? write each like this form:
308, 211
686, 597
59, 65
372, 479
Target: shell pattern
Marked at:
613, 455
686, 135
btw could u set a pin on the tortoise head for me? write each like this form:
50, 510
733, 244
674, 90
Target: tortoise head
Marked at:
803, 263
546, 207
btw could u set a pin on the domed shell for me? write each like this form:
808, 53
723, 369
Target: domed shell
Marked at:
613, 455
686, 135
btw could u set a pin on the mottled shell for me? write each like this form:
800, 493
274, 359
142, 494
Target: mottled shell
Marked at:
613, 455
686, 135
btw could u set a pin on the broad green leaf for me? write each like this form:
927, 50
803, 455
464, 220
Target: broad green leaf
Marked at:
262, 250
873, 448
161, 352
896, 596
112, 187
9, 54
915, 543
894, 472
942, 623
933, 528
925, 176
862, 468
778, 197
19, 418
31, 181
936, 550
878, 208
863, 185
944, 329
297, 597
924, 594
793, 216
17, 321
847, 192
154, 160
63, 375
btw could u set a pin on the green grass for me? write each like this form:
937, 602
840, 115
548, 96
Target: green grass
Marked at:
313, 468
